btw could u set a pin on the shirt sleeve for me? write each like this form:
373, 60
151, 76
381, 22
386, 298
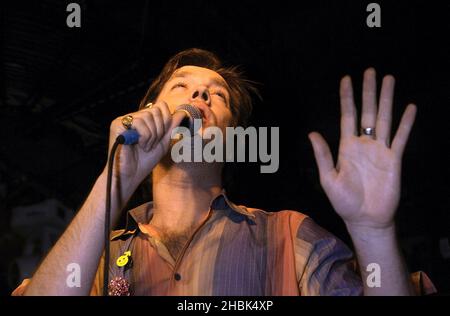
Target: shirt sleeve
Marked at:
422, 284
324, 264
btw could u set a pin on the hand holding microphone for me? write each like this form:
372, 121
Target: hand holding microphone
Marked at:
131, 136
149, 130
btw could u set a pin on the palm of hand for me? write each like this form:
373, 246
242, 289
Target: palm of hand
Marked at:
364, 186
364, 190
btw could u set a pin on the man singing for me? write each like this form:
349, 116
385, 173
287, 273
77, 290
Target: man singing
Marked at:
192, 240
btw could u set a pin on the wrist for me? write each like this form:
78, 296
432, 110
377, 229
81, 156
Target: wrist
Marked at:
371, 232
121, 191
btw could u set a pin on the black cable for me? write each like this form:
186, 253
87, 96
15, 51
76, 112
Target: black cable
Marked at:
120, 140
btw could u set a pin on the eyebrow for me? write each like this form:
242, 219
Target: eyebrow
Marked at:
216, 81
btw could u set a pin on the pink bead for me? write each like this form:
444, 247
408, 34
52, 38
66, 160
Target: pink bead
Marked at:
119, 287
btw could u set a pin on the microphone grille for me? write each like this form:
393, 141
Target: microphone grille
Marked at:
192, 114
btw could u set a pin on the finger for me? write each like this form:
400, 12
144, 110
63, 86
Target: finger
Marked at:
160, 105
117, 127
159, 123
323, 156
167, 116
348, 110
384, 118
176, 120
144, 132
369, 99
150, 122
404, 129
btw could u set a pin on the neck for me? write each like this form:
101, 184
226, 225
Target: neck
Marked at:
182, 194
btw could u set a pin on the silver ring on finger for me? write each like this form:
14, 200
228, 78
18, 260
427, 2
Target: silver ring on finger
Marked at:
368, 131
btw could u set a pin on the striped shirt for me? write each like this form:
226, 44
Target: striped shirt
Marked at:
237, 251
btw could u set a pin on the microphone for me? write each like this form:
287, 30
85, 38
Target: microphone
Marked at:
131, 136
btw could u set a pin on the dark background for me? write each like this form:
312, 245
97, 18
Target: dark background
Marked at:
60, 88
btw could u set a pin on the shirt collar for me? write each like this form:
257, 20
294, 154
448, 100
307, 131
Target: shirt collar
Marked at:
144, 212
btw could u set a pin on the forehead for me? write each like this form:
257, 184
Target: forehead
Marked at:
200, 73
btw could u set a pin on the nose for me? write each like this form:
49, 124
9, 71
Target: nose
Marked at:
203, 94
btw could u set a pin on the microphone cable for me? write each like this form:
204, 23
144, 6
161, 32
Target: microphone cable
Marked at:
119, 140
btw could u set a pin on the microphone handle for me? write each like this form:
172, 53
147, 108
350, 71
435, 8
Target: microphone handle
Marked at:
131, 136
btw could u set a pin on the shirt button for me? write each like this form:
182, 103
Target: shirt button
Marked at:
177, 276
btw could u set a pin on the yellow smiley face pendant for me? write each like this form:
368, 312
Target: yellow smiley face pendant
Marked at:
123, 259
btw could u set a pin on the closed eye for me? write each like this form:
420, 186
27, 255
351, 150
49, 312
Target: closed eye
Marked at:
179, 85
221, 94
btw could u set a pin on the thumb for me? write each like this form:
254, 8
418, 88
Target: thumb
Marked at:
177, 118
322, 154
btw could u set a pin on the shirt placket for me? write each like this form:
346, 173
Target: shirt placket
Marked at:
176, 276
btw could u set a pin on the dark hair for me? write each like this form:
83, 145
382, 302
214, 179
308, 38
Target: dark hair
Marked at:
240, 88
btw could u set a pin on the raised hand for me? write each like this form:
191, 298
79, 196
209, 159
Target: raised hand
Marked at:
364, 186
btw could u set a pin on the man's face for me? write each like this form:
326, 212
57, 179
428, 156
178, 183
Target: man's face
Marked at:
203, 88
